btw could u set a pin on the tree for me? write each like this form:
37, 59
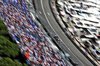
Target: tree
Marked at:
25, 64
6, 62
3, 28
17, 63
8, 48
9, 62
3, 32
2, 25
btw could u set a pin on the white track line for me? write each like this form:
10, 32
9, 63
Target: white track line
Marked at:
40, 12
55, 31
48, 13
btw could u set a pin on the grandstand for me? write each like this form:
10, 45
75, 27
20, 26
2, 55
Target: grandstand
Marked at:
27, 34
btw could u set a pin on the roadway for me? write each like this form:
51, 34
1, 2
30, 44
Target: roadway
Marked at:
47, 19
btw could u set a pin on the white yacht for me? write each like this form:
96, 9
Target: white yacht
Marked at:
85, 22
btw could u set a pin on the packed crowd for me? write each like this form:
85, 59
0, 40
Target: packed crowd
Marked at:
27, 34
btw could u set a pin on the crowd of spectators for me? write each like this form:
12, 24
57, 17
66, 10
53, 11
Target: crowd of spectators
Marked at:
27, 34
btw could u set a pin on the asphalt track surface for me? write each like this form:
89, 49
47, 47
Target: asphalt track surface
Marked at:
46, 17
